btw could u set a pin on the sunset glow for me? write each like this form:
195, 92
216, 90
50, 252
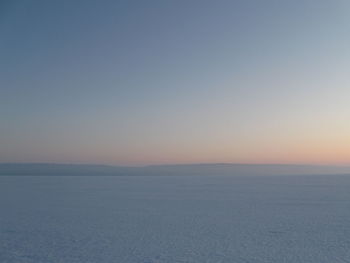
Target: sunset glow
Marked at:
175, 82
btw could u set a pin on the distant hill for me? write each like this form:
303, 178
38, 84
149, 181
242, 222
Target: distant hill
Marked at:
47, 169
59, 169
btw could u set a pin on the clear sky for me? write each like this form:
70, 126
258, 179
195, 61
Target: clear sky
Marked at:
181, 81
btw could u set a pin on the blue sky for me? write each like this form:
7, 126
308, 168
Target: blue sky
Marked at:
144, 82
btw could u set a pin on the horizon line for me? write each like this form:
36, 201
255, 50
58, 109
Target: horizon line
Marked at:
172, 164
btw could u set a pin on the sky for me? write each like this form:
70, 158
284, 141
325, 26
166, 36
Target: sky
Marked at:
175, 81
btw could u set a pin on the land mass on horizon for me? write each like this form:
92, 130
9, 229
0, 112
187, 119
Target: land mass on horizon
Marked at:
56, 169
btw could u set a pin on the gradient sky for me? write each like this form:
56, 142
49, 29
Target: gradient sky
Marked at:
154, 82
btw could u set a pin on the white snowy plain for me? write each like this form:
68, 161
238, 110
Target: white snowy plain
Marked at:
155, 219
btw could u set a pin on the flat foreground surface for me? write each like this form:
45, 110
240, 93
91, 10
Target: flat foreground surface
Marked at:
149, 219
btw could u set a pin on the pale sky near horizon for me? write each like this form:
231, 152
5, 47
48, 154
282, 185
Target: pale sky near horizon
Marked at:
154, 82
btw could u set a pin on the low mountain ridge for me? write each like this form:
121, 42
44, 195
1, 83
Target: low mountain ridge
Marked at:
47, 169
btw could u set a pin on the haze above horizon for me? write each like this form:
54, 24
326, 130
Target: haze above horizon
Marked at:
168, 82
